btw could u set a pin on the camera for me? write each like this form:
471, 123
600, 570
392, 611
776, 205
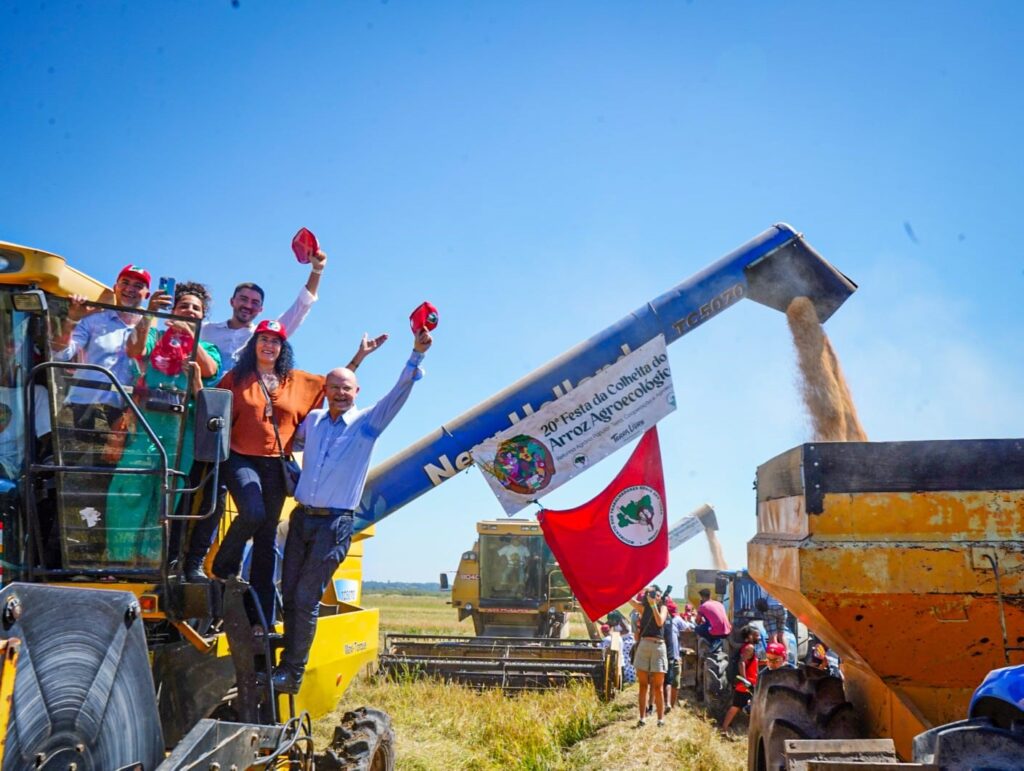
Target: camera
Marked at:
651, 594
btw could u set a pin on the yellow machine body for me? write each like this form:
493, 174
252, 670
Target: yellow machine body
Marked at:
346, 640
697, 579
906, 559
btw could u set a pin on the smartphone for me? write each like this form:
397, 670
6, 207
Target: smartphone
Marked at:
167, 284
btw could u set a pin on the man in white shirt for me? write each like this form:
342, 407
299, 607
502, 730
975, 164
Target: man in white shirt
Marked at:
231, 336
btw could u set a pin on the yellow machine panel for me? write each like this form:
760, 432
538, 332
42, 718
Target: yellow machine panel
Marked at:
22, 265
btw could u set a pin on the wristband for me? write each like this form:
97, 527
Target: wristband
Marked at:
317, 271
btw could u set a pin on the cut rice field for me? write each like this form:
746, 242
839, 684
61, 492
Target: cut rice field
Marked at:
441, 726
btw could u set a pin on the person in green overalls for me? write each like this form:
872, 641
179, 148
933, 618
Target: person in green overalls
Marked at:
133, 500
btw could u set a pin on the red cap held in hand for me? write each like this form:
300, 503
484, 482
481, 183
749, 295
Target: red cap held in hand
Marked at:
424, 317
305, 246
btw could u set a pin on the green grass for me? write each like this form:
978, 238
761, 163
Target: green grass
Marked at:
441, 726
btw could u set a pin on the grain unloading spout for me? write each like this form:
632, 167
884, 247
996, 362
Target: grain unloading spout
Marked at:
700, 520
794, 270
707, 517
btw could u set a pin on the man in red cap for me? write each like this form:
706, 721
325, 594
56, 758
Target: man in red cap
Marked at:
100, 337
93, 405
775, 655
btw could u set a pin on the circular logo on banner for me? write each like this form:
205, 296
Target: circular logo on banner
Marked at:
637, 515
523, 465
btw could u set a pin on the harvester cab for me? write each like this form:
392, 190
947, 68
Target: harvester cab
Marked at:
511, 585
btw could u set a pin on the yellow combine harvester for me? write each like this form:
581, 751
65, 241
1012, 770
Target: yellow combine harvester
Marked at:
510, 585
78, 610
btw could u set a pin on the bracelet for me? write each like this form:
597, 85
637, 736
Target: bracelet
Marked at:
317, 271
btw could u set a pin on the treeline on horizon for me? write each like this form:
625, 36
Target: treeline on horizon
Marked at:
401, 587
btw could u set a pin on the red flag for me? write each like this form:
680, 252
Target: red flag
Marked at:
611, 547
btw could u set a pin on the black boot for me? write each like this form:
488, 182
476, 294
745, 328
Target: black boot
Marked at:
194, 573
285, 680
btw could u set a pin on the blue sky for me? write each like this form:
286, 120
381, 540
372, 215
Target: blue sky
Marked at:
538, 170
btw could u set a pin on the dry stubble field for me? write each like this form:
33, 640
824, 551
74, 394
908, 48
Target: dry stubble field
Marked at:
441, 726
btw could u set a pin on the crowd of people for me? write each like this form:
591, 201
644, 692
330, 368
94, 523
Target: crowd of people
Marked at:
276, 409
656, 630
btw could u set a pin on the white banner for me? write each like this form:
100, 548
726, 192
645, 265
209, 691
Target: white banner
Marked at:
569, 435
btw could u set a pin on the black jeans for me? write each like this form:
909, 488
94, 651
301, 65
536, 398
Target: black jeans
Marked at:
257, 486
316, 545
201, 532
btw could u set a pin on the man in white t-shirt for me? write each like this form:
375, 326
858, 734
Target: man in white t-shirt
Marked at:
231, 336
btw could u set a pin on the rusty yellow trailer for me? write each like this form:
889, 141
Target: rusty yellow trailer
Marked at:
907, 559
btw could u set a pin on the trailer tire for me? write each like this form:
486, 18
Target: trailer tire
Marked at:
795, 704
364, 741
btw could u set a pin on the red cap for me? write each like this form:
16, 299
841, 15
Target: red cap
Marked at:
271, 327
305, 246
776, 649
673, 609
136, 272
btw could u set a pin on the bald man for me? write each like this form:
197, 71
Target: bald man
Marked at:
337, 443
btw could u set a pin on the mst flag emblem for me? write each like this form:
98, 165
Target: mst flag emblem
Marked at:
636, 515
611, 547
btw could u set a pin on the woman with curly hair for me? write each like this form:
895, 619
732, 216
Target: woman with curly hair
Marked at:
266, 389
168, 383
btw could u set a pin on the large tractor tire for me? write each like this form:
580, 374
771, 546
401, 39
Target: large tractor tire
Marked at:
364, 741
83, 691
796, 704
717, 693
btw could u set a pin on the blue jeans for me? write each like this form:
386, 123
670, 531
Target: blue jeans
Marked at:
315, 547
703, 631
257, 486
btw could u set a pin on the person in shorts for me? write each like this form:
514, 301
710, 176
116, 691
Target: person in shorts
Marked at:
651, 657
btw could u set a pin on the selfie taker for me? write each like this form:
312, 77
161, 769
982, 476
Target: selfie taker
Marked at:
651, 661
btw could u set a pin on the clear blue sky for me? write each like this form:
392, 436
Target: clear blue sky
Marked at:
538, 170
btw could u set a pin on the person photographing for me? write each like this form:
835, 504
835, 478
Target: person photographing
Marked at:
651, 661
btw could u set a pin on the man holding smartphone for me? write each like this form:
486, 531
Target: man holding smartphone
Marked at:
231, 336
93, 406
